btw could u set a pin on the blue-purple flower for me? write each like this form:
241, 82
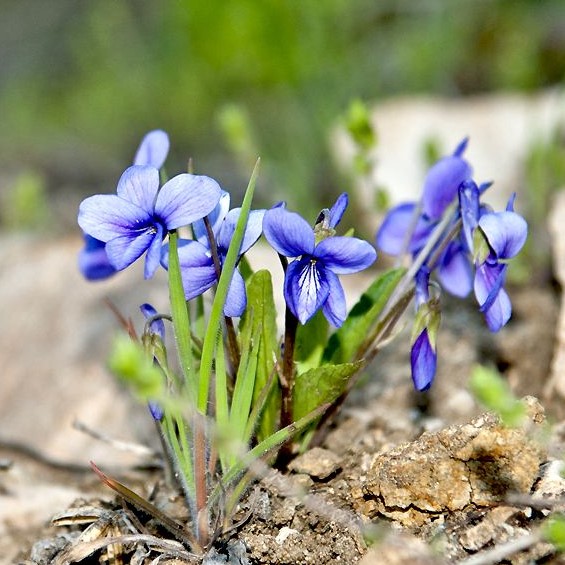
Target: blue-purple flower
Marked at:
423, 354
138, 217
93, 260
441, 187
311, 280
195, 257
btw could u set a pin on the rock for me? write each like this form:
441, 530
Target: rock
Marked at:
400, 549
489, 529
476, 463
317, 462
501, 127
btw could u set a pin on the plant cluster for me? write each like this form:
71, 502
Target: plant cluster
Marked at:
235, 393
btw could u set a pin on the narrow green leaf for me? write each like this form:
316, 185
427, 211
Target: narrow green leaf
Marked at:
344, 344
261, 313
216, 313
181, 321
243, 391
311, 339
245, 460
321, 385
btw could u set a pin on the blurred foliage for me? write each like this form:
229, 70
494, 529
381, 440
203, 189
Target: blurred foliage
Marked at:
24, 203
81, 82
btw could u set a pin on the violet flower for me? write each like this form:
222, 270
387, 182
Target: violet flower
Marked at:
137, 219
195, 257
311, 280
93, 260
423, 354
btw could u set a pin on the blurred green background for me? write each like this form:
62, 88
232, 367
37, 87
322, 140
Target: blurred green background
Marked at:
81, 82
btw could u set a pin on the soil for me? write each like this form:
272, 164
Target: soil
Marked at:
400, 478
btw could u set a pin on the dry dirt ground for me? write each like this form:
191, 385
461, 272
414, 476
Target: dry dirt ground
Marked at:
422, 478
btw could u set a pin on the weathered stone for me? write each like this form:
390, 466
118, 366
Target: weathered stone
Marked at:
471, 464
317, 462
400, 549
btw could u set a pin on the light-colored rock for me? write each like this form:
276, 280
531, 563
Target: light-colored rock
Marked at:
471, 464
501, 127
317, 462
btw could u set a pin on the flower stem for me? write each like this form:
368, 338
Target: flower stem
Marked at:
287, 378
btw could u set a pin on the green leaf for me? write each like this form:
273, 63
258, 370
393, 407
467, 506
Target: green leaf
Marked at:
181, 320
344, 344
244, 387
493, 392
260, 316
553, 530
321, 385
216, 313
131, 363
311, 339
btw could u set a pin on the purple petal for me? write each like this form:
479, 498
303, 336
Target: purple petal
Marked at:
140, 186
216, 218
306, 288
106, 216
470, 210
492, 298
506, 233
153, 256
156, 411
156, 327
345, 255
422, 280
441, 184
93, 261
198, 280
197, 267
236, 300
153, 149
252, 233
391, 237
455, 272
124, 250
499, 313
460, 149
288, 233
423, 360
338, 209
489, 279
185, 199
335, 307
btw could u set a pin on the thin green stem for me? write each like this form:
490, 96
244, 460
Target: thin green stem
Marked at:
287, 377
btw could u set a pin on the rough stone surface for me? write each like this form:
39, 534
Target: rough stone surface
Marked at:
317, 462
471, 464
